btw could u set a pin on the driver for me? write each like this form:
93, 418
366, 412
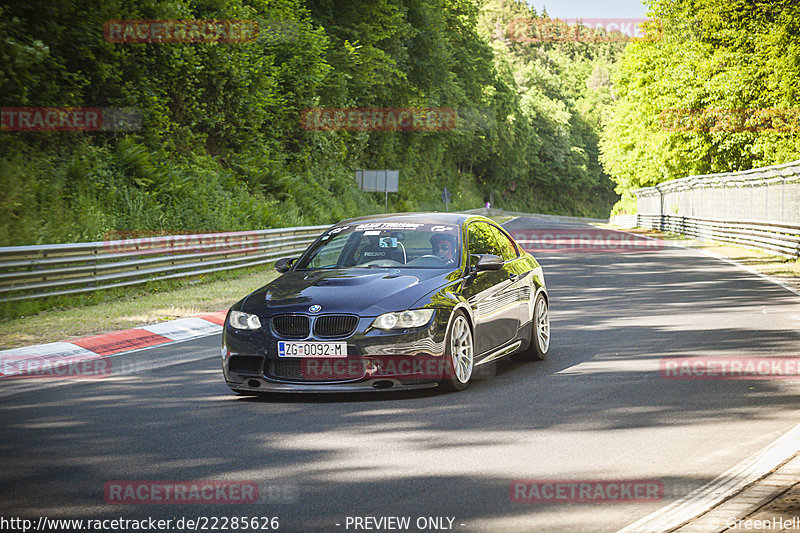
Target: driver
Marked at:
444, 246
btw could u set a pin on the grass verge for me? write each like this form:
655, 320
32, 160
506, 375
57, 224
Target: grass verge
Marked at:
129, 308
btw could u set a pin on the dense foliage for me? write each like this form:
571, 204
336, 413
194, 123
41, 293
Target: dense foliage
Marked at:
721, 63
222, 147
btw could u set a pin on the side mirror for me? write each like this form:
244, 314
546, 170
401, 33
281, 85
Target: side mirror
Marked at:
285, 264
489, 262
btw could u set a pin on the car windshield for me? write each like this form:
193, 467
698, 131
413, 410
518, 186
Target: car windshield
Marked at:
386, 245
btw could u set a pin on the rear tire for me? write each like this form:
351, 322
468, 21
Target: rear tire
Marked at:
459, 354
540, 332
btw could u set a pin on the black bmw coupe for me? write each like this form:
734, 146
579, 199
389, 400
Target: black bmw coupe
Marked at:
396, 301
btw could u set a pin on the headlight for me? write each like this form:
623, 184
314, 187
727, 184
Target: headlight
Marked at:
239, 320
403, 319
539, 273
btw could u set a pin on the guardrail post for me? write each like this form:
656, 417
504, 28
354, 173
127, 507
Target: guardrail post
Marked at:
95, 253
783, 197
724, 210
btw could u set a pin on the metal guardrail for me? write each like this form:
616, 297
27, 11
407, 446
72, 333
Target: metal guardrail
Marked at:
38, 271
624, 221
779, 239
757, 208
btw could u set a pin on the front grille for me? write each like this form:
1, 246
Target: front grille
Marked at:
335, 325
296, 369
292, 326
245, 364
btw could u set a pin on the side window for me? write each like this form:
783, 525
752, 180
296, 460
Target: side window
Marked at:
481, 239
509, 251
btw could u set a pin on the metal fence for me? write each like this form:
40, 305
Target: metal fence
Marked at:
28, 272
758, 208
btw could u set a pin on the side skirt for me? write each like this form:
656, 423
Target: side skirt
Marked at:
499, 353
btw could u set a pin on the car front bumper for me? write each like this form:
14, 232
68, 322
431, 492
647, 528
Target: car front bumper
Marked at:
376, 360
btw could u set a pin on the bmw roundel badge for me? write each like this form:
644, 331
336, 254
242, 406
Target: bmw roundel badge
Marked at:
315, 308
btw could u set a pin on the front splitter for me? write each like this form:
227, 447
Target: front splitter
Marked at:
373, 385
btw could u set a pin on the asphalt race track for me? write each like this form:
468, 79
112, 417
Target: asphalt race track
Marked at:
598, 409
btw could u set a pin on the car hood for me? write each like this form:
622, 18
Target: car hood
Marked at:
366, 292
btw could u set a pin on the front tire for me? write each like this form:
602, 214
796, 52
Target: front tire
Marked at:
540, 331
459, 354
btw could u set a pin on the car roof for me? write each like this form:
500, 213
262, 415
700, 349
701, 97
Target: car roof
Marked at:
428, 218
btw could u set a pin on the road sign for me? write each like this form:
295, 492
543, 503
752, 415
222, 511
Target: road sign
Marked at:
384, 181
378, 180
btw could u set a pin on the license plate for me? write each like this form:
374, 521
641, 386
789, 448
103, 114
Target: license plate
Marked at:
312, 349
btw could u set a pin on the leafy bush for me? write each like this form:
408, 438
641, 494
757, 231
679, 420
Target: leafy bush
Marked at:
222, 147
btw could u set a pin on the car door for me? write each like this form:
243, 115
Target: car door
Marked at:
517, 270
495, 314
